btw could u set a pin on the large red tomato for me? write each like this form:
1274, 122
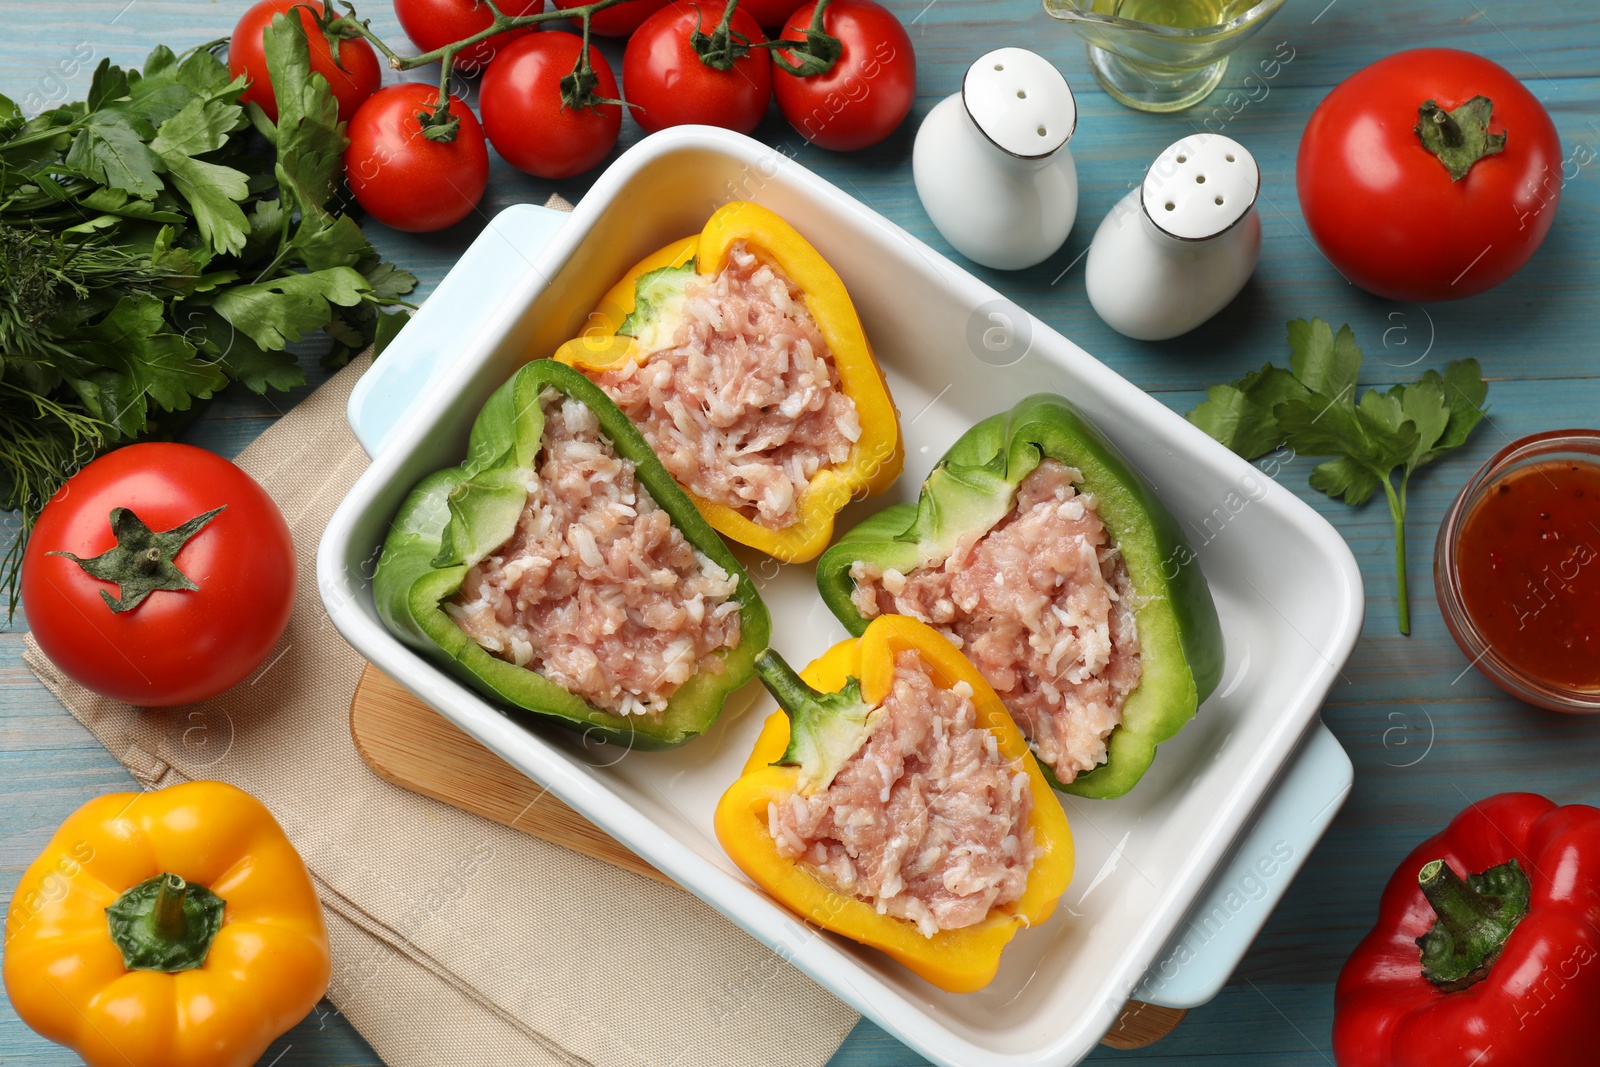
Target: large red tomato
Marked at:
402, 178
528, 120
672, 85
353, 78
435, 23
617, 21
868, 91
1385, 209
176, 645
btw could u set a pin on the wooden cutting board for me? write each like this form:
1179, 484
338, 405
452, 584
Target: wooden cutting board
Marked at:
408, 743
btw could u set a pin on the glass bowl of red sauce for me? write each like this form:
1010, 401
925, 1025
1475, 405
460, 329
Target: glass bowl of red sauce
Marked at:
1517, 569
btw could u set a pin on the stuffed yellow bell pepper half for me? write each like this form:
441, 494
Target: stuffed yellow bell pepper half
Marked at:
177, 928
893, 801
738, 354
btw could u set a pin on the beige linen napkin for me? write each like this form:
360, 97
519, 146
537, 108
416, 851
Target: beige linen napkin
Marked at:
455, 940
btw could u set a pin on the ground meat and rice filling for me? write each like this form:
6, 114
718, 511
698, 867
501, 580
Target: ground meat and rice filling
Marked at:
1043, 606
927, 822
744, 405
597, 590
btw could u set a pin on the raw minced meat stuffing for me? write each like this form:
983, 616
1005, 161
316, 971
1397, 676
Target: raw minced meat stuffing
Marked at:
743, 406
1043, 606
927, 821
597, 590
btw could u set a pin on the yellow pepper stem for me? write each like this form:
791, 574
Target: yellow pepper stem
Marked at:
165, 924
169, 920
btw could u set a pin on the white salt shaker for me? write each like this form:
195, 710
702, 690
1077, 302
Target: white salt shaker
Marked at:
1176, 250
991, 162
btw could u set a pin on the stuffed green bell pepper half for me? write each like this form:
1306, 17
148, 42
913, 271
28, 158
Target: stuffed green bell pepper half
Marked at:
561, 570
1040, 552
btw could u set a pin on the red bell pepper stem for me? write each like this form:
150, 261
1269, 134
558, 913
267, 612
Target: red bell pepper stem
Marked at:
1476, 915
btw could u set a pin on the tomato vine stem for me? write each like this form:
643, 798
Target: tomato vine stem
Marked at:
441, 125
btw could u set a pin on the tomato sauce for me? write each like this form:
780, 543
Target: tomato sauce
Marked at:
1528, 566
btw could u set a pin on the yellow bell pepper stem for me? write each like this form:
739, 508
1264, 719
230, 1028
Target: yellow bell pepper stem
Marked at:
959, 960
201, 866
878, 455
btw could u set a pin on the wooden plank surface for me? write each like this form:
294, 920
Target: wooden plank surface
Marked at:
408, 743
1425, 737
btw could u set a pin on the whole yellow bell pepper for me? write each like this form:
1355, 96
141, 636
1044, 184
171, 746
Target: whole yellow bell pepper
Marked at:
821, 724
177, 928
878, 455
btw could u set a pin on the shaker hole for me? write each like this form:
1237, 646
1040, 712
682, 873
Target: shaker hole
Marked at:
1170, 205
1219, 201
1199, 179
1229, 157
1022, 94
1042, 131
1183, 159
999, 66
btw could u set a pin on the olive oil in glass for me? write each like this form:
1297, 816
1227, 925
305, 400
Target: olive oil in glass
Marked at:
1161, 55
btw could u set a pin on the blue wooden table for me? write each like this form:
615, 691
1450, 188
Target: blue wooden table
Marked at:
1426, 733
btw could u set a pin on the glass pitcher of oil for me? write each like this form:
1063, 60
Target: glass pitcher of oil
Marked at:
1162, 55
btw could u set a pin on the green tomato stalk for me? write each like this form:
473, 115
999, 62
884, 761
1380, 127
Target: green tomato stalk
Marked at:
577, 88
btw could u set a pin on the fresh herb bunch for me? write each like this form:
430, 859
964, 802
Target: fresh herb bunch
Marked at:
159, 240
1312, 408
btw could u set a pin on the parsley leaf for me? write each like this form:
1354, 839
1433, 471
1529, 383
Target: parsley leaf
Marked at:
1240, 414
213, 190
311, 139
1313, 408
109, 150
285, 309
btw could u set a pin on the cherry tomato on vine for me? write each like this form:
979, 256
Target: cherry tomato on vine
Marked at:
617, 21
402, 178
353, 78
1382, 198
867, 92
190, 603
532, 123
672, 84
435, 23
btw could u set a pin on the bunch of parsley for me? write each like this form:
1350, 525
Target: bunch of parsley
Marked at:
159, 240
1312, 408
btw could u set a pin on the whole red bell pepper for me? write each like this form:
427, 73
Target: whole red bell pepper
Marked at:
1487, 947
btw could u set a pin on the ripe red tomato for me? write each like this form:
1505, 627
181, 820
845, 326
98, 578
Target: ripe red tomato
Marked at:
402, 178
354, 78
871, 87
618, 21
524, 114
672, 86
177, 645
1384, 209
435, 23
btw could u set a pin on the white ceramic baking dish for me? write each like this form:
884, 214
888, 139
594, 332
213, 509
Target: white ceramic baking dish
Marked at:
1175, 879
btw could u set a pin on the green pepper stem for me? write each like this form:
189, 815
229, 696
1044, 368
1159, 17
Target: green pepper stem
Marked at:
790, 690
165, 923
170, 894
1476, 916
1458, 906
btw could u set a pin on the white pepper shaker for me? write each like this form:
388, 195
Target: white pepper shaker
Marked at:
1176, 250
991, 162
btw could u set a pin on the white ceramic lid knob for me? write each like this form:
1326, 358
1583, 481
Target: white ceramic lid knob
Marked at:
1020, 102
1200, 186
